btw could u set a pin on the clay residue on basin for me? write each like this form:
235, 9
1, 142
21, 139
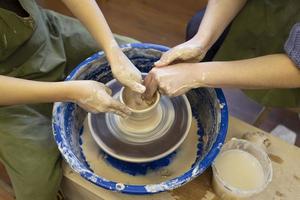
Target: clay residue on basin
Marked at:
275, 158
181, 163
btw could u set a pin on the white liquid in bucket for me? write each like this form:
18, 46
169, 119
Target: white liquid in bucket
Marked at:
240, 169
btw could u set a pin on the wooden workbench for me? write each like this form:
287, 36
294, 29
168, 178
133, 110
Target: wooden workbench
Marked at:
285, 184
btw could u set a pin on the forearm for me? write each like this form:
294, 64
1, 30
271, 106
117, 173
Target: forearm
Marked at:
89, 13
271, 71
19, 91
218, 15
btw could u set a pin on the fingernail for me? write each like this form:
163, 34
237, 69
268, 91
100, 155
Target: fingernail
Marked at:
124, 115
140, 88
127, 111
157, 63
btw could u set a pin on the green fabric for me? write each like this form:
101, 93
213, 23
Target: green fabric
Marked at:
14, 30
46, 50
29, 152
260, 29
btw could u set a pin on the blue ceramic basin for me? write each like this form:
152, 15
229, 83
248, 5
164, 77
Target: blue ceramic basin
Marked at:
208, 105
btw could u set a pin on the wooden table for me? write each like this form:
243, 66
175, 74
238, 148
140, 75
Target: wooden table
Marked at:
285, 184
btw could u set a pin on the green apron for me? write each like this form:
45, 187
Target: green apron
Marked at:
262, 28
45, 46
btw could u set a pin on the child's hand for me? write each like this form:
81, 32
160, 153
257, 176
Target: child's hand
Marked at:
95, 97
126, 73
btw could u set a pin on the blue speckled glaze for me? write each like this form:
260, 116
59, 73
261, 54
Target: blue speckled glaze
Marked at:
139, 168
208, 106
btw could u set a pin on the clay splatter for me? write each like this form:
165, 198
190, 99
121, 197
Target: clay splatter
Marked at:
275, 158
297, 178
279, 194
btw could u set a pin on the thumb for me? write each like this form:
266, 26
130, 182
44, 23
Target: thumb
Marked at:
166, 58
120, 108
108, 90
137, 87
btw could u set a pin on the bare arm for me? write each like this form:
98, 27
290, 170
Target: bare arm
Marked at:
92, 18
218, 14
271, 71
91, 95
89, 13
20, 91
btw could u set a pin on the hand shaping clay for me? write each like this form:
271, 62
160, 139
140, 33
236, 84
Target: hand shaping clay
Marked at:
136, 101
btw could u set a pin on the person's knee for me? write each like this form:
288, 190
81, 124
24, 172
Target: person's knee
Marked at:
37, 179
193, 24
34, 166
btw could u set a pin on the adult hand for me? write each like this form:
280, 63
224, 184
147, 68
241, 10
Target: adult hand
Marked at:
126, 73
191, 51
95, 97
172, 80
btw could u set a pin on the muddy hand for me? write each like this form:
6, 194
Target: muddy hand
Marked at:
95, 97
126, 73
173, 80
190, 51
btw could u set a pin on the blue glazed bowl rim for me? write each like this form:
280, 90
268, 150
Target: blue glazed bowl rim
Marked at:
194, 171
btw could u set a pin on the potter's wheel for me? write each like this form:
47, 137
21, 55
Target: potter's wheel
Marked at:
195, 154
140, 142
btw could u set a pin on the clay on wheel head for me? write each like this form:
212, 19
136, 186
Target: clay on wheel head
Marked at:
136, 101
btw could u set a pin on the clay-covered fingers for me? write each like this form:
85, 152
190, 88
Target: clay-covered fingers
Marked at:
191, 50
95, 97
151, 85
118, 113
127, 74
107, 90
119, 108
136, 86
131, 78
112, 105
167, 58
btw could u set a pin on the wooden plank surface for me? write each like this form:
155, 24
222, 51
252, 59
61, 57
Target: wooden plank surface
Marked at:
284, 186
154, 21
